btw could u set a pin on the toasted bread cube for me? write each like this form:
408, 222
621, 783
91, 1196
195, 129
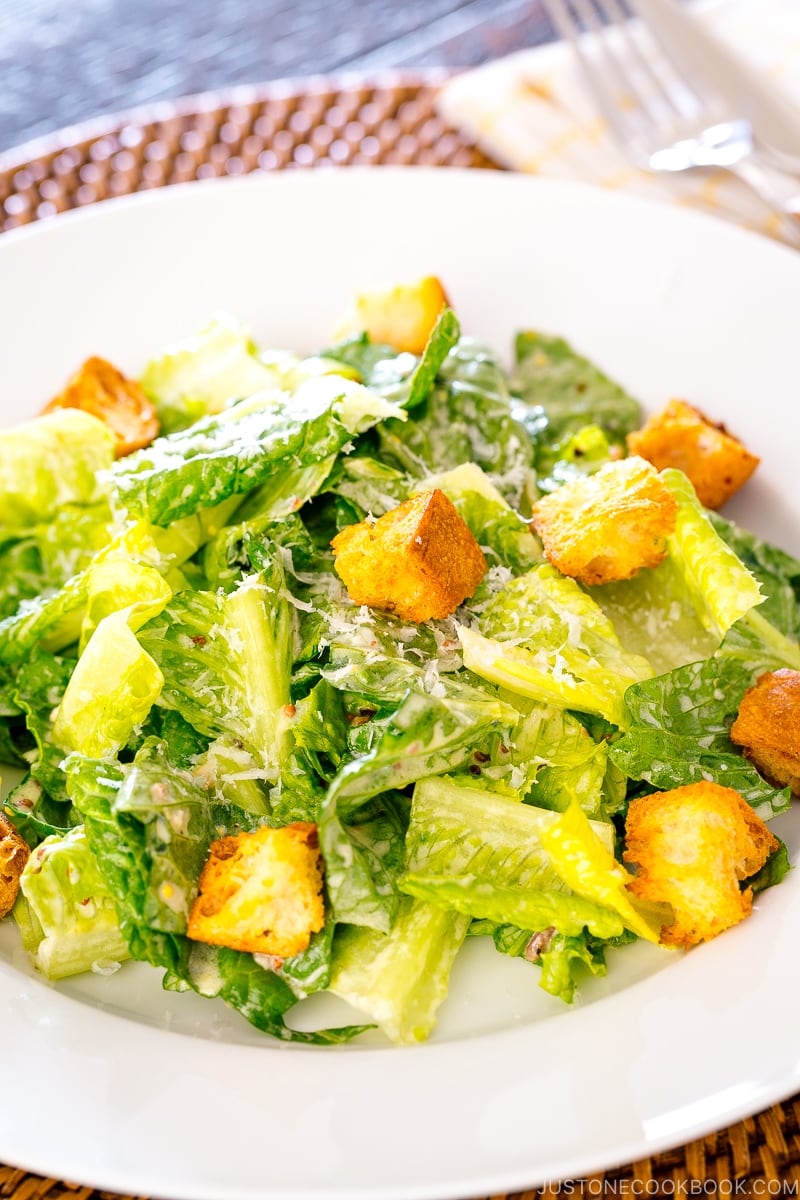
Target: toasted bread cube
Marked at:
418, 560
401, 316
261, 892
607, 526
100, 389
692, 847
767, 726
14, 853
681, 436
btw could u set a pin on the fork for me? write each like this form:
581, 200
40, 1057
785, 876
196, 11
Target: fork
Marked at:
663, 119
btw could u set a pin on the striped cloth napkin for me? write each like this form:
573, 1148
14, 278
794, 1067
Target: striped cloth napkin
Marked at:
530, 111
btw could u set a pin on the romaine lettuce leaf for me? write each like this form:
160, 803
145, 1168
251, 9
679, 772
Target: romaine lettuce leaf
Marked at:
504, 904
399, 979
587, 866
401, 378
248, 444
226, 661
574, 456
722, 589
573, 764
504, 536
115, 682
543, 637
560, 392
465, 418
39, 689
678, 733
566, 958
777, 572
65, 911
109, 583
363, 859
36, 816
679, 612
149, 829
458, 829
203, 374
51, 461
425, 736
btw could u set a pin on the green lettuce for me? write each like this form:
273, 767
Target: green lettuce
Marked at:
560, 392
466, 417
203, 374
226, 661
363, 859
399, 979
149, 828
679, 612
504, 536
543, 637
678, 733
51, 461
269, 438
65, 911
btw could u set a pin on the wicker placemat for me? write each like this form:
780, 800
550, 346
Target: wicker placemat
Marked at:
316, 123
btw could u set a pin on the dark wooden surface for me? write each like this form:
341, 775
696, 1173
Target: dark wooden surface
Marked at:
64, 61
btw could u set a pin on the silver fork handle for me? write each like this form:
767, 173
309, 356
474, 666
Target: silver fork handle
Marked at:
779, 192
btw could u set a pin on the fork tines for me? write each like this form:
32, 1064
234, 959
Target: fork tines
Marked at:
637, 81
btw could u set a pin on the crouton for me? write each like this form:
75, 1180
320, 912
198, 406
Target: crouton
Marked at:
692, 847
14, 853
418, 560
767, 726
401, 316
609, 525
100, 389
681, 436
261, 892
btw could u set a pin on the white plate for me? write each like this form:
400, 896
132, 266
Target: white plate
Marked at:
99, 1079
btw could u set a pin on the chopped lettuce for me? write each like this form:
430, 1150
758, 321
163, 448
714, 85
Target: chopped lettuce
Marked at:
400, 979
226, 662
504, 536
180, 662
586, 864
248, 444
559, 392
203, 374
65, 911
678, 728
543, 637
483, 853
149, 829
466, 417
680, 611
363, 859
54, 460
721, 588
424, 736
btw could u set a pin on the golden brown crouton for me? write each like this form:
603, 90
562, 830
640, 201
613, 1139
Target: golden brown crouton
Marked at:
101, 390
692, 846
768, 727
607, 526
418, 560
14, 853
681, 436
261, 892
401, 316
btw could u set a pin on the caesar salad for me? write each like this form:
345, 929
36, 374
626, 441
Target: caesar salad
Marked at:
317, 666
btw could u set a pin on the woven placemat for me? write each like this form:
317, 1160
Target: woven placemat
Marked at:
318, 123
